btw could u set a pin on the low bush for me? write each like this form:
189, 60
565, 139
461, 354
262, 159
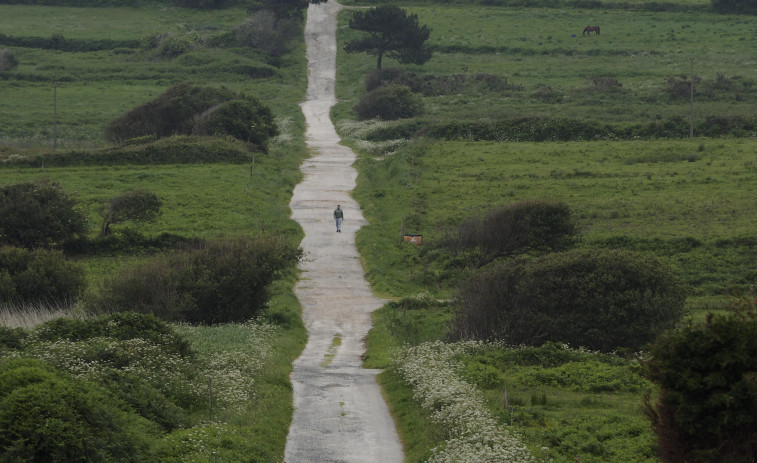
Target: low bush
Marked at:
215, 282
598, 299
705, 410
247, 120
38, 214
8, 60
267, 33
46, 416
122, 326
11, 338
178, 110
389, 102
519, 228
29, 277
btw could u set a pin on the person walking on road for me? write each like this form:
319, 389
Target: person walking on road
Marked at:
338, 216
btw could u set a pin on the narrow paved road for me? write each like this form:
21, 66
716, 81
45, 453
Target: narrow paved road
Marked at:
340, 415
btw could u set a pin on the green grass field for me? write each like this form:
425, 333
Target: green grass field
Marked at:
94, 87
551, 71
688, 201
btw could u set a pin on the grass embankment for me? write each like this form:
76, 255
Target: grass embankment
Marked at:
105, 61
688, 201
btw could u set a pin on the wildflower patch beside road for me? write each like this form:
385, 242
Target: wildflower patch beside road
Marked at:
473, 433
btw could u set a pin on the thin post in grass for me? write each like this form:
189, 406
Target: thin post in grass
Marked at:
210, 396
691, 106
55, 115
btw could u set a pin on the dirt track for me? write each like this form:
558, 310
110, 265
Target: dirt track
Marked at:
340, 415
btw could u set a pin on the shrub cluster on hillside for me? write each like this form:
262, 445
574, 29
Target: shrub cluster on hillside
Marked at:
519, 228
185, 109
33, 276
38, 214
598, 299
389, 102
76, 390
215, 282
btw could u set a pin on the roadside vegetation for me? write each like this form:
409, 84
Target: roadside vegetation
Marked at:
520, 108
128, 185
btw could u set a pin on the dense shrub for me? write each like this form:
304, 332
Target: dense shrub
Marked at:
38, 214
389, 102
247, 120
11, 338
518, 228
178, 110
267, 33
46, 416
216, 282
8, 60
122, 326
599, 299
28, 277
132, 206
706, 409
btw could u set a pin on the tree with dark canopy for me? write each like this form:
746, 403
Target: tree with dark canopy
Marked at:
132, 206
390, 32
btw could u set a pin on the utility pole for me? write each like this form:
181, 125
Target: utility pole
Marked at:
55, 115
691, 107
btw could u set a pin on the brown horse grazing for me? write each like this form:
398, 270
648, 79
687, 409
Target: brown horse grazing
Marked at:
590, 29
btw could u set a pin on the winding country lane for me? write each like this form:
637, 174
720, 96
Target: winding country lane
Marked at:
340, 415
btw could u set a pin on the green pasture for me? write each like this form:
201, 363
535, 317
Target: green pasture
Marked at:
204, 201
110, 23
692, 202
620, 76
84, 90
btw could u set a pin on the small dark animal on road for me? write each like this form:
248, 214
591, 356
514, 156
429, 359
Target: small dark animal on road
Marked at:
590, 29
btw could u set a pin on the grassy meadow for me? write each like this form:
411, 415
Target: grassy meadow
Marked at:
689, 201
149, 50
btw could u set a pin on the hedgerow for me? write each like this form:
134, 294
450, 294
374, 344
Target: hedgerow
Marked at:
179, 149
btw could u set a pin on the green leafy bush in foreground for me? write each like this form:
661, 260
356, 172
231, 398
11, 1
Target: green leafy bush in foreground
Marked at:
598, 299
47, 416
216, 282
707, 406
